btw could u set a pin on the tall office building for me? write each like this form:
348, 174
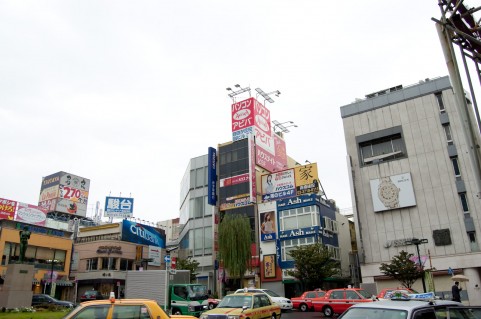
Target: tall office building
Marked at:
412, 156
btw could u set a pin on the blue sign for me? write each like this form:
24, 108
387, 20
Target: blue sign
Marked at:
212, 177
300, 232
119, 205
167, 259
267, 237
141, 234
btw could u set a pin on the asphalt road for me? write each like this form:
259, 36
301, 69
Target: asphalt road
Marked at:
294, 314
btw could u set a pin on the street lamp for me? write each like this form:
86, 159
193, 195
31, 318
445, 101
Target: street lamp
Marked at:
417, 242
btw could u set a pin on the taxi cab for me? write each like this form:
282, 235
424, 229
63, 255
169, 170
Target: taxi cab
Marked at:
407, 308
121, 309
244, 305
304, 302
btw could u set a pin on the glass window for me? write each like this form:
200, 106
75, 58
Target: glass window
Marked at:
299, 218
208, 235
382, 149
97, 312
464, 202
198, 207
109, 263
337, 295
457, 172
126, 264
291, 244
439, 99
199, 179
352, 295
472, 236
198, 241
92, 264
192, 179
447, 133
130, 311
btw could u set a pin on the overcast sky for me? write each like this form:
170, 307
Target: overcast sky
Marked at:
125, 93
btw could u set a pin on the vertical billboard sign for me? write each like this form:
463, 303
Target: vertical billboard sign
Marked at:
212, 176
119, 207
7, 208
31, 214
242, 119
268, 225
252, 169
237, 200
154, 253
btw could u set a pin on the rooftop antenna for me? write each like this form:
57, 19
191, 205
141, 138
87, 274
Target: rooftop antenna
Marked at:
282, 127
238, 90
266, 95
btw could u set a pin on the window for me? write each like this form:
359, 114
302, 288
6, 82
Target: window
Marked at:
382, 149
130, 312
291, 244
208, 235
457, 172
198, 241
464, 202
126, 264
92, 264
439, 98
199, 178
97, 312
301, 217
447, 133
472, 236
337, 295
109, 263
335, 254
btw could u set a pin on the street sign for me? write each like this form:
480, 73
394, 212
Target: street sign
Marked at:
167, 259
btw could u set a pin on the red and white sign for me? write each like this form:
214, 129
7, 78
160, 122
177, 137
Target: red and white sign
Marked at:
31, 214
7, 208
243, 114
252, 169
238, 179
173, 263
73, 194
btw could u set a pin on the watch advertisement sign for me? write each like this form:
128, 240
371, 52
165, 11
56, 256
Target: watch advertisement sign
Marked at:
392, 192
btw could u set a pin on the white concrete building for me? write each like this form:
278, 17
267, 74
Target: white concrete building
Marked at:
414, 175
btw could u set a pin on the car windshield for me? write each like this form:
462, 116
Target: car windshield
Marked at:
271, 293
197, 292
374, 313
364, 293
235, 301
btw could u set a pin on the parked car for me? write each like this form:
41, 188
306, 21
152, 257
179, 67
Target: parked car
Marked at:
386, 293
412, 309
46, 300
245, 305
91, 295
284, 302
336, 301
124, 308
304, 302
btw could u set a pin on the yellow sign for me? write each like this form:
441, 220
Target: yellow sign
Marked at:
307, 179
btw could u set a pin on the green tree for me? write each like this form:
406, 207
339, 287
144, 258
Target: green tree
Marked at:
313, 263
188, 264
403, 269
235, 244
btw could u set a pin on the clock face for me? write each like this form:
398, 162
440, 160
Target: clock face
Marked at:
388, 193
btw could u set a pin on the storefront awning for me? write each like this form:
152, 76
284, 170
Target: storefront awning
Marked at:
65, 283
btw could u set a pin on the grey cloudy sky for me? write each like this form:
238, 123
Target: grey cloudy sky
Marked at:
126, 92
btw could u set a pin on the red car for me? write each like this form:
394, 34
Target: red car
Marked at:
304, 302
386, 293
339, 300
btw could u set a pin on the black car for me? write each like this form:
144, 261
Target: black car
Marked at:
91, 295
46, 300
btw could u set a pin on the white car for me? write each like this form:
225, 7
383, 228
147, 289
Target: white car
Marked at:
284, 302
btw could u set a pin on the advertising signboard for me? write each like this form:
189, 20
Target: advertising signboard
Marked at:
242, 114
242, 196
392, 192
119, 207
141, 234
154, 253
7, 208
212, 176
268, 225
31, 214
49, 205
51, 180
290, 183
70, 207
75, 181
252, 169
278, 185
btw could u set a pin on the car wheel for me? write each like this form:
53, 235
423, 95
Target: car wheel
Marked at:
176, 311
273, 316
328, 311
303, 307
211, 306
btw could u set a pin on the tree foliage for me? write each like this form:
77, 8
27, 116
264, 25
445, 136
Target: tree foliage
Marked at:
235, 244
403, 269
188, 264
313, 263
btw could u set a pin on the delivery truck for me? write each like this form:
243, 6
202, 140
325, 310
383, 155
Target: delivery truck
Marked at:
172, 291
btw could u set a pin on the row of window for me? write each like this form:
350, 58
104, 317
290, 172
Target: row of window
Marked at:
40, 257
109, 263
291, 244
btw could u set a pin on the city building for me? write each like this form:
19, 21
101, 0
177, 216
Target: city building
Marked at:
196, 235
104, 253
413, 162
49, 250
